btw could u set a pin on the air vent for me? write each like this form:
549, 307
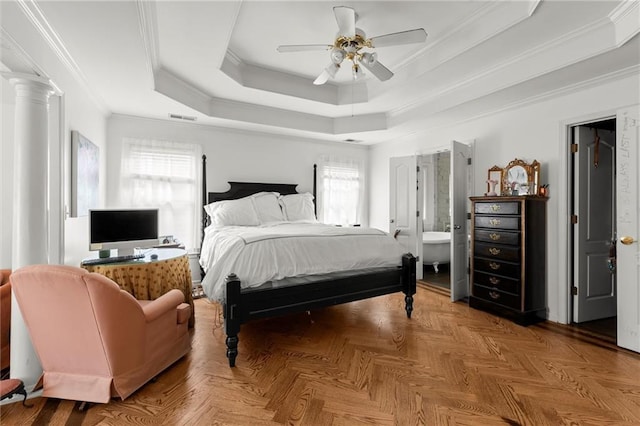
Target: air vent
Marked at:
182, 117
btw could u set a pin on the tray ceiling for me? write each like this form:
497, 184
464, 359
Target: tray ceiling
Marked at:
217, 60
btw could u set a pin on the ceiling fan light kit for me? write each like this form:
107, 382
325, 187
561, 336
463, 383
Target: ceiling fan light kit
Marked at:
357, 72
348, 45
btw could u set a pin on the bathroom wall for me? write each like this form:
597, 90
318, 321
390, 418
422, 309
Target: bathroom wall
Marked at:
443, 167
435, 170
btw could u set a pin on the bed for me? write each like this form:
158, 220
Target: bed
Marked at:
265, 268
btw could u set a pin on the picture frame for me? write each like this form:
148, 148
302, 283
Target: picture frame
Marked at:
85, 175
494, 181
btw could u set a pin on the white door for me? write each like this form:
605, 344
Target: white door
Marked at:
420, 183
459, 205
403, 209
594, 234
628, 227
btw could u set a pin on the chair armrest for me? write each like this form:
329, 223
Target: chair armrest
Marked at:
184, 313
163, 304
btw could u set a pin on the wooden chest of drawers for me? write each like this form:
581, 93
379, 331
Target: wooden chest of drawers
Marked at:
508, 256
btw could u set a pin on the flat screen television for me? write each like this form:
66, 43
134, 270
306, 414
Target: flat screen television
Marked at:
123, 229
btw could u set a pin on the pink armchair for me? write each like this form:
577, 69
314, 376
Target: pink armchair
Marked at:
94, 340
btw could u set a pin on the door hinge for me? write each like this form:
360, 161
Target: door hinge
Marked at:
574, 148
574, 290
574, 219
418, 213
418, 169
469, 216
468, 161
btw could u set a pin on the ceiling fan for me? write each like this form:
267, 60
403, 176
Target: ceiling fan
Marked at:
349, 43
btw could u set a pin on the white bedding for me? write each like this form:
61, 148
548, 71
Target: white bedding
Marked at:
257, 254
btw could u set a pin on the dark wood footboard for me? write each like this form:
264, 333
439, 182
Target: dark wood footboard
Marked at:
242, 305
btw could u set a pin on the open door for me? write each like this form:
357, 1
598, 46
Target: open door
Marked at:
594, 232
628, 227
403, 204
459, 202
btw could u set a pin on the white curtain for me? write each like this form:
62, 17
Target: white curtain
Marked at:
164, 175
341, 185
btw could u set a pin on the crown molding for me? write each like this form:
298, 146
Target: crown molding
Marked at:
275, 81
469, 33
179, 90
458, 116
569, 89
551, 94
35, 15
571, 47
626, 20
14, 57
148, 21
264, 131
174, 87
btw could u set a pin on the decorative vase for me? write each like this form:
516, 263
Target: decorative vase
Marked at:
492, 187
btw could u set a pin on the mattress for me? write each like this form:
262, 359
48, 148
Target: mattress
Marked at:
260, 254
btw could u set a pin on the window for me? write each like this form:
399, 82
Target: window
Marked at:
341, 191
165, 175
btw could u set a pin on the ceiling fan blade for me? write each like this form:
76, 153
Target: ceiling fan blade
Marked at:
404, 37
302, 47
346, 19
381, 72
322, 78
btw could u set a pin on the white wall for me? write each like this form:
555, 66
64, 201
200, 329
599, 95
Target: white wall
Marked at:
232, 155
6, 174
81, 111
529, 132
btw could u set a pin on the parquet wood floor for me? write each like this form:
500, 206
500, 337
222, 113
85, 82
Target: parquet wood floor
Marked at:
365, 363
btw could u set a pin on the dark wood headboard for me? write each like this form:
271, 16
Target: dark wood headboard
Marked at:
244, 189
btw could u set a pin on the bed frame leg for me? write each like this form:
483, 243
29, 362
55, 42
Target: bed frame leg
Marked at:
408, 281
232, 350
408, 305
232, 318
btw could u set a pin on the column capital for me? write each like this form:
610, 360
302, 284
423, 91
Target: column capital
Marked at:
35, 88
30, 81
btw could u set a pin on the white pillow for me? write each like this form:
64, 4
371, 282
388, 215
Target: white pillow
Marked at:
267, 207
298, 207
232, 212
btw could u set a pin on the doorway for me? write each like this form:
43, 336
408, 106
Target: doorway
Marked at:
434, 171
593, 195
405, 219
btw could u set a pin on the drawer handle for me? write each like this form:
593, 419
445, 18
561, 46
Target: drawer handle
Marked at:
494, 251
495, 207
495, 266
494, 236
494, 280
494, 222
494, 295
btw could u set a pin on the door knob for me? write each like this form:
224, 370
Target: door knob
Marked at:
456, 226
392, 221
627, 240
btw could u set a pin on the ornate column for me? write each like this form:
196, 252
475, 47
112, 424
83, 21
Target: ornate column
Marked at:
30, 200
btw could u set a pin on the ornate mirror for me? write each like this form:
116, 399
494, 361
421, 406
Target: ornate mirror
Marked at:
520, 178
